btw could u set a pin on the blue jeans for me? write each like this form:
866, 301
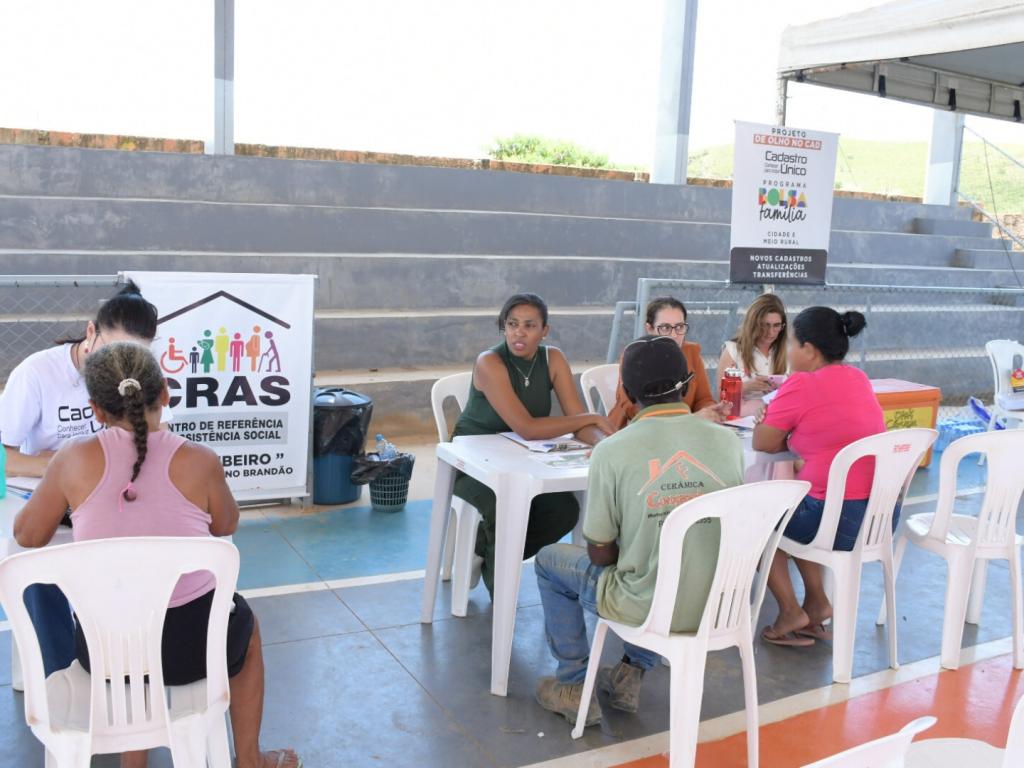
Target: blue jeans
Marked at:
55, 629
568, 585
803, 525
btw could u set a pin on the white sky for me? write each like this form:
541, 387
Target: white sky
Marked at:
440, 78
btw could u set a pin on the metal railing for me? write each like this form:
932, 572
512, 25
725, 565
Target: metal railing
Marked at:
38, 310
929, 335
993, 216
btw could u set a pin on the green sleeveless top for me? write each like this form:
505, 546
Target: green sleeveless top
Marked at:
479, 416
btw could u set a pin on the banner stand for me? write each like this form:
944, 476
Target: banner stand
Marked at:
782, 192
236, 350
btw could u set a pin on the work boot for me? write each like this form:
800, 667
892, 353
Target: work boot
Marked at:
622, 684
564, 699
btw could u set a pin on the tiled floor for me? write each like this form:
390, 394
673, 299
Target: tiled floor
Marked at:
353, 678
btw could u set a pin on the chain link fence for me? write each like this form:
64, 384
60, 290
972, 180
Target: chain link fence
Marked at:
36, 311
928, 335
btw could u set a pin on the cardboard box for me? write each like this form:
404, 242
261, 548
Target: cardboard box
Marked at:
906, 404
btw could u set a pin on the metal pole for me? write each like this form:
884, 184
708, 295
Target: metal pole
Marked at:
675, 89
223, 142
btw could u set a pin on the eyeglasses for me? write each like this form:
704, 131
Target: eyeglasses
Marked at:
667, 329
773, 326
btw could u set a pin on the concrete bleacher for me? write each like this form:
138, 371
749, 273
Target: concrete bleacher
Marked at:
414, 261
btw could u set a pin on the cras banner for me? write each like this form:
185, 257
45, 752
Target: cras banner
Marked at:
781, 204
237, 352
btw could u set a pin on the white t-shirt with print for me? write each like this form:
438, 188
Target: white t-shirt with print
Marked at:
45, 403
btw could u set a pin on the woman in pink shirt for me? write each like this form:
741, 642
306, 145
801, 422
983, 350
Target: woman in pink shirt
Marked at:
821, 408
135, 479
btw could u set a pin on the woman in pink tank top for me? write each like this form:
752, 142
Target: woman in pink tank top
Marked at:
135, 479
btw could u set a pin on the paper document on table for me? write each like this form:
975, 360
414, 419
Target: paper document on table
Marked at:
769, 397
563, 443
27, 484
564, 460
747, 422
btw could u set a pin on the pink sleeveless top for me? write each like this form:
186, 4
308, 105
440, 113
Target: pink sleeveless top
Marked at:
159, 508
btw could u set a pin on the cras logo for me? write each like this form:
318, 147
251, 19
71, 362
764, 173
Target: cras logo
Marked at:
781, 204
675, 482
251, 354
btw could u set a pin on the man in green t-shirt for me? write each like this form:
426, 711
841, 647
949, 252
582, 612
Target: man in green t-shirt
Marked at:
664, 458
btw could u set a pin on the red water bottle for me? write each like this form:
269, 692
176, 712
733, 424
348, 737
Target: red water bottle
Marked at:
732, 391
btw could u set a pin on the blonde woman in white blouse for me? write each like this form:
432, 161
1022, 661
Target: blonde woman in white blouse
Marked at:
759, 348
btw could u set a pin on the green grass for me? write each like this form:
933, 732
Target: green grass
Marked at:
898, 168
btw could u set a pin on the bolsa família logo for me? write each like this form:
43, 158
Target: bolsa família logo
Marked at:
251, 354
781, 204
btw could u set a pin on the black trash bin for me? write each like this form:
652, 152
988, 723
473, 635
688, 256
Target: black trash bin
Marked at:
388, 479
341, 419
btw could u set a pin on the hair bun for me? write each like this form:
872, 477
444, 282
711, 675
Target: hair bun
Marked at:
853, 323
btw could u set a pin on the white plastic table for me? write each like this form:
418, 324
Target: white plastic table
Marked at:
516, 478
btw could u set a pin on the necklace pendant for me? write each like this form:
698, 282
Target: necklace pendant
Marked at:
527, 380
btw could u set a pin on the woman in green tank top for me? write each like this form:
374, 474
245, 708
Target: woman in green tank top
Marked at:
511, 392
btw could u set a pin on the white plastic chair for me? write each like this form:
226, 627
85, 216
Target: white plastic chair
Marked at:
897, 455
603, 378
934, 753
750, 517
460, 542
120, 589
886, 752
1000, 357
967, 543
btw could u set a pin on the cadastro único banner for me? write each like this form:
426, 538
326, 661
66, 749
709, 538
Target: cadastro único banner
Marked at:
237, 351
781, 204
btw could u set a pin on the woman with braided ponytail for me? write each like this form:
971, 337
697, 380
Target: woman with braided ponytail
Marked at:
45, 405
135, 479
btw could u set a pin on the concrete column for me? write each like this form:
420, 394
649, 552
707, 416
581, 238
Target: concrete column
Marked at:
781, 98
223, 142
675, 88
943, 175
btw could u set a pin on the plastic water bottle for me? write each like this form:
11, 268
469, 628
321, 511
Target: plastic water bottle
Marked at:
385, 449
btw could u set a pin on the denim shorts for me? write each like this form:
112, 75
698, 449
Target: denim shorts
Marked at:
806, 520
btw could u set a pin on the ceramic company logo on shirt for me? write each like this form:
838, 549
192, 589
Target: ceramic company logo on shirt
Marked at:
675, 482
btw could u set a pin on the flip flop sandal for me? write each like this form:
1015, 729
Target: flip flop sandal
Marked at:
816, 632
789, 640
282, 755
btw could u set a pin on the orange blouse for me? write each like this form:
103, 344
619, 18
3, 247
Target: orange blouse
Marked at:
698, 393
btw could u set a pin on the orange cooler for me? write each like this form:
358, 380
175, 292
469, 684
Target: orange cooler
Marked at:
906, 404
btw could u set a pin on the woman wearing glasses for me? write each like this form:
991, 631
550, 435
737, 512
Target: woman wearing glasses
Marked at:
667, 317
759, 348
511, 391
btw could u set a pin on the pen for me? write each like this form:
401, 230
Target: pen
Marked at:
21, 494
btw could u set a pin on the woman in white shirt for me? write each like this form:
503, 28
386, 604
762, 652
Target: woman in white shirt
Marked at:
45, 405
759, 348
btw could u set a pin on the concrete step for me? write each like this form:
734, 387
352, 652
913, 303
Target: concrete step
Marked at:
26, 170
995, 257
402, 396
947, 226
59, 224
